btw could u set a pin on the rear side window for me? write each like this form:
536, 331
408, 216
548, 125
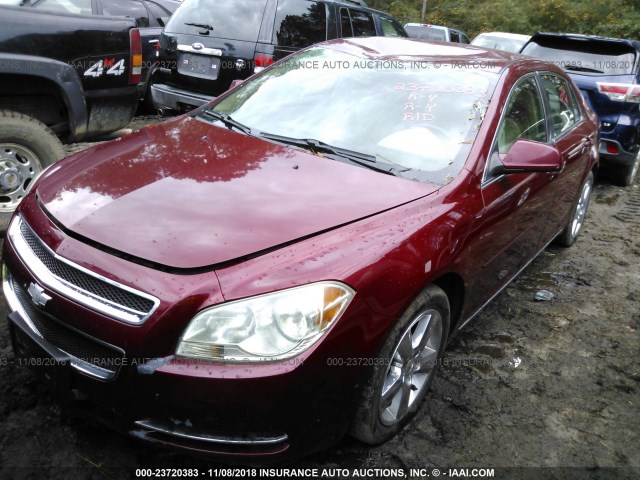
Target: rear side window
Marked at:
230, 19
126, 8
565, 112
391, 28
595, 57
300, 24
356, 23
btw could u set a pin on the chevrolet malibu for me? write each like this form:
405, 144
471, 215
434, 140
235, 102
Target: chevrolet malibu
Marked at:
286, 264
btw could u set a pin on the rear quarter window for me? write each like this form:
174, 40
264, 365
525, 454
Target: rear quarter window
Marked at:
300, 24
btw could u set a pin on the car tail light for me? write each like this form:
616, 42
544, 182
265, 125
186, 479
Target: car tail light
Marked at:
612, 148
620, 92
261, 61
135, 74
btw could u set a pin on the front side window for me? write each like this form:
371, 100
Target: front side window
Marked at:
300, 24
564, 109
390, 28
523, 117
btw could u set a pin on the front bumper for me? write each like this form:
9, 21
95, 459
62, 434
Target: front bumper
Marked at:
259, 412
177, 99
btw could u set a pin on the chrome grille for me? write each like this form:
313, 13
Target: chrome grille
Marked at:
88, 354
82, 280
77, 283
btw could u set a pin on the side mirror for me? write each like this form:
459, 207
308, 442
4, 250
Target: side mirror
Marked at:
162, 21
527, 156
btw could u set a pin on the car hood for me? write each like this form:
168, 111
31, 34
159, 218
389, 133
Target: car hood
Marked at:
187, 194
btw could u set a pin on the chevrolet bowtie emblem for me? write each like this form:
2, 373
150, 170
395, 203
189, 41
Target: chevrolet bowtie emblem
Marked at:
37, 295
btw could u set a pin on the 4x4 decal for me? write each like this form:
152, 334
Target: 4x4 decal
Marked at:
114, 68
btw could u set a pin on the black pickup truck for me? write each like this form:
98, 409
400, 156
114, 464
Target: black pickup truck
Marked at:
62, 76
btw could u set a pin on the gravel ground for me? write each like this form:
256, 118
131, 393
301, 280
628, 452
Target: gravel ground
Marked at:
527, 384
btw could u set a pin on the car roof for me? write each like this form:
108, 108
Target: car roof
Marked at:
579, 36
391, 48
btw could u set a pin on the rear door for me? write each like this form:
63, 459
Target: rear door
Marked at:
574, 139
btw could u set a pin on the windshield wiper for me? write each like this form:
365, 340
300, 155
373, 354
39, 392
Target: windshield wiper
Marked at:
575, 68
228, 121
200, 25
316, 146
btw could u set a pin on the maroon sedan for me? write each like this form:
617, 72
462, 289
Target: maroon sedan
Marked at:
286, 264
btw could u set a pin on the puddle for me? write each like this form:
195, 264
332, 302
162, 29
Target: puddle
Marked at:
605, 199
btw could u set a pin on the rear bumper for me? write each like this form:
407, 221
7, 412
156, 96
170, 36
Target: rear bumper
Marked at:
622, 157
177, 99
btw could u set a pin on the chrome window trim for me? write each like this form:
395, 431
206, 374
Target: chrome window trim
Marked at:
71, 291
161, 428
16, 306
486, 178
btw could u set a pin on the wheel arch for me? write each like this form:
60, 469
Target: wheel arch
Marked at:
454, 287
25, 75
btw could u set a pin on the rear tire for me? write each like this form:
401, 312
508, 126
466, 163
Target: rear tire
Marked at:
578, 214
408, 363
627, 174
27, 147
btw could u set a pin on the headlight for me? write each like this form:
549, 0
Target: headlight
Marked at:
274, 326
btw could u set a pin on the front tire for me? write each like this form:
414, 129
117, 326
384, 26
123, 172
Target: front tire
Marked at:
27, 147
578, 215
409, 361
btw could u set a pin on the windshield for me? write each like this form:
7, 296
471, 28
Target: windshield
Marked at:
584, 56
232, 19
499, 43
426, 33
418, 118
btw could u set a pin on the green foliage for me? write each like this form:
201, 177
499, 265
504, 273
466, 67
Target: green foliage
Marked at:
612, 18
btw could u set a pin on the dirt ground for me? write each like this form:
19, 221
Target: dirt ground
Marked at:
528, 384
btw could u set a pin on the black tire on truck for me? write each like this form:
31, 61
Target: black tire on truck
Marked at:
27, 147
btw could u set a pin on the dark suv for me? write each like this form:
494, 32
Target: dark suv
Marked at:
208, 44
607, 72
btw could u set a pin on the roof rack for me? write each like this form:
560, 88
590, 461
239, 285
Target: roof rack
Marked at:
362, 3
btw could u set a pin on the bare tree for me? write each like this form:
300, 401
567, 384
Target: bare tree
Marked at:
424, 9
